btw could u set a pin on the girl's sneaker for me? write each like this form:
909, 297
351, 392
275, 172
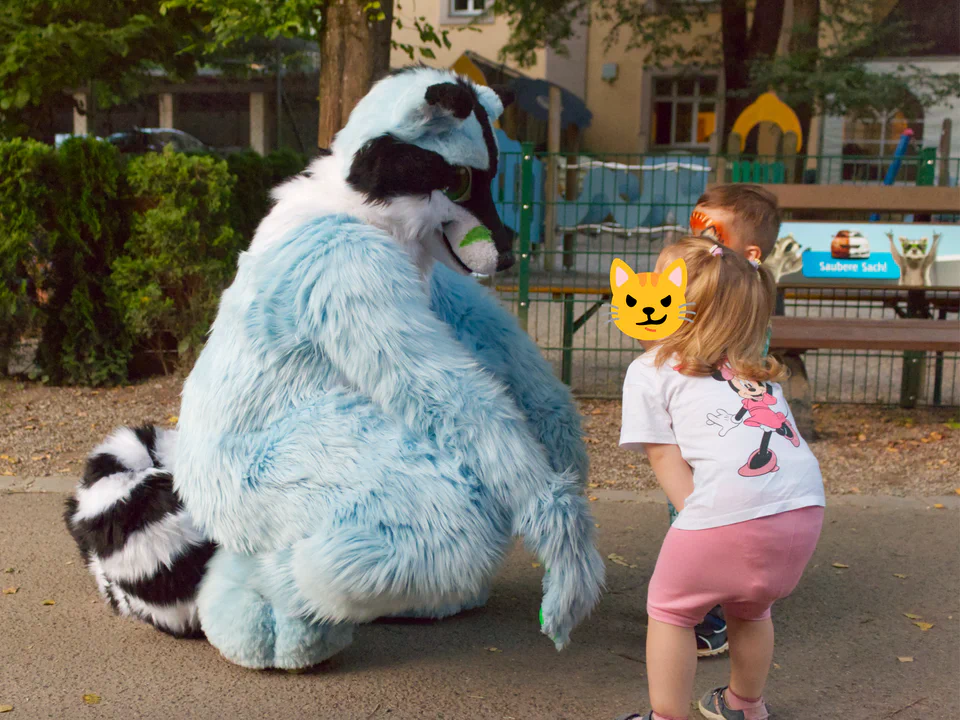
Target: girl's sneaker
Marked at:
713, 706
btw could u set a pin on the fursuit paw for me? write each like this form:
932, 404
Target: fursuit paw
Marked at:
569, 596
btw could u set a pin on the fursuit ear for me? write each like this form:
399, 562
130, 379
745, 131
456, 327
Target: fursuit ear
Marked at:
450, 99
494, 99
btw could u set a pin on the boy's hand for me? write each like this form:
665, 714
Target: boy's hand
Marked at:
724, 420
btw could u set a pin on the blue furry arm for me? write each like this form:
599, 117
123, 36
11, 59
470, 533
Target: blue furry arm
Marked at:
363, 305
493, 335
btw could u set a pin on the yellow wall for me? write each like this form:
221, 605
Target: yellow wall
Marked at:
617, 107
487, 42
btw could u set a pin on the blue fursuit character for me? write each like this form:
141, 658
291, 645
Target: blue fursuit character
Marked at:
366, 429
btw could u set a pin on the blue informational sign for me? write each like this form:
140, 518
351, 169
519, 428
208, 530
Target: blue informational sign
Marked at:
862, 250
880, 266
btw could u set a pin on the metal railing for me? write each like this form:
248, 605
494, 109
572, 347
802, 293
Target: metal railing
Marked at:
629, 207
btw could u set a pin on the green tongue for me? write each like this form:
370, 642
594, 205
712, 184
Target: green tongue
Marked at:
477, 234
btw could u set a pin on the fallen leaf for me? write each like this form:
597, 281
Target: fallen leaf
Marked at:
591, 440
841, 566
535, 565
597, 411
619, 560
593, 498
49, 602
900, 575
855, 490
923, 625
10, 590
861, 437
91, 699
939, 506
8, 571
953, 425
81, 414
634, 467
5, 708
493, 649
173, 419
777, 666
936, 436
905, 658
912, 616
596, 525
957, 491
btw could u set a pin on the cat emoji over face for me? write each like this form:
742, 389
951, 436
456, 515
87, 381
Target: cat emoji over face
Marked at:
650, 305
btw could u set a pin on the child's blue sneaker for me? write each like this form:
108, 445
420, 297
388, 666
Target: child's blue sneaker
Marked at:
712, 634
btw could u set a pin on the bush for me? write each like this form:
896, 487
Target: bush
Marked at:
256, 176
84, 339
27, 173
181, 252
114, 262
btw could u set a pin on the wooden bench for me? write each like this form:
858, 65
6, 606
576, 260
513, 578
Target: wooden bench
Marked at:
827, 333
793, 336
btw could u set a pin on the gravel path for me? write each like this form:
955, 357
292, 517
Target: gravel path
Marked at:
863, 449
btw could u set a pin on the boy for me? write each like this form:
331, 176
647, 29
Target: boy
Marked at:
745, 218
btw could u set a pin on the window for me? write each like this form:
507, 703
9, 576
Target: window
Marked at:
462, 8
684, 112
870, 144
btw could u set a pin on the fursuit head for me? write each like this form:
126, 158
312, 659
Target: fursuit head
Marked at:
366, 430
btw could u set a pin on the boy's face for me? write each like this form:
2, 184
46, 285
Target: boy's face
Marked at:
721, 225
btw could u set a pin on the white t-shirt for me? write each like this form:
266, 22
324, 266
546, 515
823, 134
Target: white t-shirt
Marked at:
739, 437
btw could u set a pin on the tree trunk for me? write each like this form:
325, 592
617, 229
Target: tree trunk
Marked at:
355, 51
804, 41
740, 49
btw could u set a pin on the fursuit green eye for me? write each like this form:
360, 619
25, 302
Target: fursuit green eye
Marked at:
459, 191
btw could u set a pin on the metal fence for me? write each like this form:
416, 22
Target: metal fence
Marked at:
629, 207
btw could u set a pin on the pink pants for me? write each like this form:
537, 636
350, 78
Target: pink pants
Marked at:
744, 567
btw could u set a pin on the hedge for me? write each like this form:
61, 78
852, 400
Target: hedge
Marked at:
117, 263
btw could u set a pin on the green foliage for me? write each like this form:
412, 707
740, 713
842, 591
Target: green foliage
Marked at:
233, 23
181, 252
84, 340
49, 47
27, 170
119, 266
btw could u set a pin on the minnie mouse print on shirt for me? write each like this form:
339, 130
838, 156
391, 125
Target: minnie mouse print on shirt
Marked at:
757, 403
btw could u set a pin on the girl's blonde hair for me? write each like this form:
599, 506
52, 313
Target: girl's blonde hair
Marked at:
734, 302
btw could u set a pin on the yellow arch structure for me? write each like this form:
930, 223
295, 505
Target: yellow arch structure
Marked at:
768, 108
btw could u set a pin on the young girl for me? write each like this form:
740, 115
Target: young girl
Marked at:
704, 405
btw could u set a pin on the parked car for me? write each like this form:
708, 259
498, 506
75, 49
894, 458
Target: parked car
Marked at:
142, 140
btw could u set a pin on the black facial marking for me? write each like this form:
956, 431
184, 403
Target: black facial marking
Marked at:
631, 301
455, 97
666, 301
386, 167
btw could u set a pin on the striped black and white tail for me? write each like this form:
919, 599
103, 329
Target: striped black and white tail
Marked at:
134, 534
